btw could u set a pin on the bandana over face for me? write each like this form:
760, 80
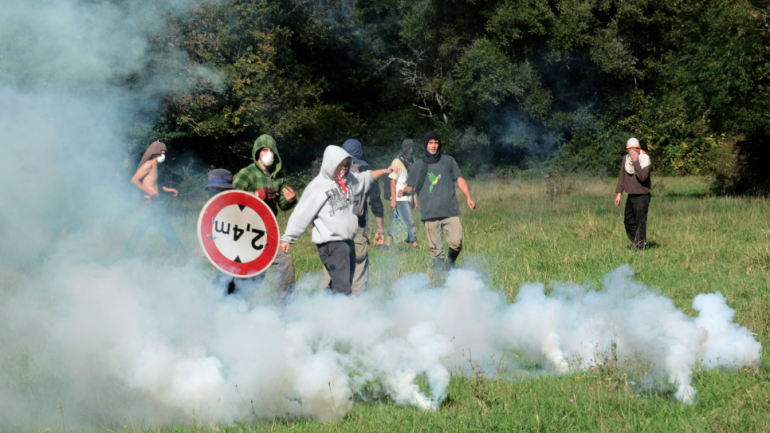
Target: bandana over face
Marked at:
340, 179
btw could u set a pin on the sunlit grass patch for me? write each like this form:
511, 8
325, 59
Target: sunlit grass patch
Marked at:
522, 232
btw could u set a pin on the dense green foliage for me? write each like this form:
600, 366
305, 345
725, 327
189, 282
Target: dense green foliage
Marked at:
509, 84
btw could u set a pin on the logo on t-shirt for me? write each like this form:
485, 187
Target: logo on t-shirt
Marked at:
337, 199
433, 180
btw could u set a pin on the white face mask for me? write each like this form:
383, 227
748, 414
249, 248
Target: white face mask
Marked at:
267, 159
161, 158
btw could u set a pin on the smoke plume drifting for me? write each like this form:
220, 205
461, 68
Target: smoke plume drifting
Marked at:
136, 340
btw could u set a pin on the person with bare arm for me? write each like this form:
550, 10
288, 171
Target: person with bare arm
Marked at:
152, 211
404, 204
432, 179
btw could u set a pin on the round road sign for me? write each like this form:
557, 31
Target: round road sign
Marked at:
238, 233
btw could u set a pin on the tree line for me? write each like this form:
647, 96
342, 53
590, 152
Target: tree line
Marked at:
510, 85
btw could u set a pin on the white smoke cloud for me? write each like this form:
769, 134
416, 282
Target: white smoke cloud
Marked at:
137, 340
727, 344
155, 342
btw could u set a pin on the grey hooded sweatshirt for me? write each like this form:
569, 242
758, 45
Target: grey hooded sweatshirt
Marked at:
325, 204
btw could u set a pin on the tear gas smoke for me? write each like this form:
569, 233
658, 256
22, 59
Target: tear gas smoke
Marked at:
147, 338
135, 340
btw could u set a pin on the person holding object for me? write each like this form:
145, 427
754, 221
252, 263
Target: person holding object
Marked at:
432, 179
361, 209
220, 180
328, 203
152, 212
634, 179
405, 203
264, 178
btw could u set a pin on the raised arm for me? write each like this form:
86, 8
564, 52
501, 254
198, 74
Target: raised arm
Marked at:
641, 173
379, 173
464, 188
287, 198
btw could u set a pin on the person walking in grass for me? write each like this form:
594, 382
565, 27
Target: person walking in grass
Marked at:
329, 204
264, 179
404, 204
634, 179
152, 211
432, 180
361, 209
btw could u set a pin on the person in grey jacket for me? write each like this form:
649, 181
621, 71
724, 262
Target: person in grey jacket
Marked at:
361, 204
328, 202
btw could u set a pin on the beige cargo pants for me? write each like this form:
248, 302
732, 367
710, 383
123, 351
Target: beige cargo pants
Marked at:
454, 237
361, 272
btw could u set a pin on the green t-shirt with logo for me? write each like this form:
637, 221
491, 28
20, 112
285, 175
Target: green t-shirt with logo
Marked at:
437, 197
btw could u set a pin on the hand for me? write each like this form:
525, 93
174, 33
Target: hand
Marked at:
392, 169
285, 247
471, 204
379, 239
170, 190
635, 156
400, 193
392, 204
617, 199
265, 193
289, 194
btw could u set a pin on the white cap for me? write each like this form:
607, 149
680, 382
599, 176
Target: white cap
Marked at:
632, 142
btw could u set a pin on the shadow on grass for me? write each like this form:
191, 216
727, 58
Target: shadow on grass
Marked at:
652, 245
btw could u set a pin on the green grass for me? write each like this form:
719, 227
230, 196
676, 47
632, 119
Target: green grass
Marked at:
697, 244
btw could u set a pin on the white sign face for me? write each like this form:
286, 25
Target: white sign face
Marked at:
239, 233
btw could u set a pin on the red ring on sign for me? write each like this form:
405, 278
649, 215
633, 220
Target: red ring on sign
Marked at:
206, 226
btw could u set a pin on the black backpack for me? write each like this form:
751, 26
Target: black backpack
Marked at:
386, 187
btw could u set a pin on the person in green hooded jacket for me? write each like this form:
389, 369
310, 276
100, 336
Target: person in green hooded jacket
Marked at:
265, 180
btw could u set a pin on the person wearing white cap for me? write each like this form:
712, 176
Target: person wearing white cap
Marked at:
634, 179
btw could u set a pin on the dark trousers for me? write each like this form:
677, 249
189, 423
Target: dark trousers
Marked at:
636, 219
153, 214
339, 259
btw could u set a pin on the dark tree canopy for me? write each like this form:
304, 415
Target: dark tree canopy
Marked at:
509, 84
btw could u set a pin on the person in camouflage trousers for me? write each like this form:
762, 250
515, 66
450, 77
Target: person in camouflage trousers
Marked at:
265, 180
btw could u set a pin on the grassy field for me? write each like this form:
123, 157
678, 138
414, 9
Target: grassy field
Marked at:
569, 230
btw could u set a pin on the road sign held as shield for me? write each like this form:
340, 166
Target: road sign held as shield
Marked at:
238, 233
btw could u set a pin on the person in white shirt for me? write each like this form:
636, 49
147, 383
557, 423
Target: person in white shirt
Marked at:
404, 204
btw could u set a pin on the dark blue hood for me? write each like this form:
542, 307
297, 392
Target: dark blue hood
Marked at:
353, 147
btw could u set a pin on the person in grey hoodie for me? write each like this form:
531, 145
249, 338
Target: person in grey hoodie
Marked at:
361, 208
328, 202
